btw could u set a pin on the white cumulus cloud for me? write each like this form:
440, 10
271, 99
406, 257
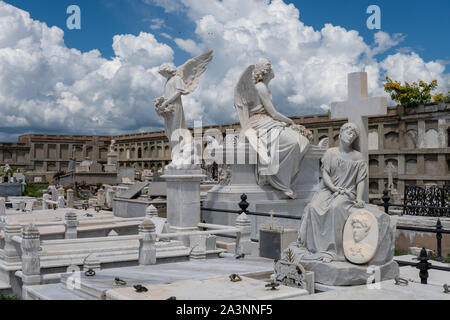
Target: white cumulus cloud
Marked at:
47, 87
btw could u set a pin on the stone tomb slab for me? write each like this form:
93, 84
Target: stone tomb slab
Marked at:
387, 291
436, 277
338, 273
220, 288
133, 190
164, 273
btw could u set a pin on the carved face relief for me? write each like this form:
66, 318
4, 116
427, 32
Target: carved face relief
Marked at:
359, 232
360, 238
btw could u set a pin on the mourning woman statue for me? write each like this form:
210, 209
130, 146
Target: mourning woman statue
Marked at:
280, 143
340, 194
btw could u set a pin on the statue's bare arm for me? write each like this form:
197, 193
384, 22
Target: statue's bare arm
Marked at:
360, 194
327, 180
174, 97
264, 95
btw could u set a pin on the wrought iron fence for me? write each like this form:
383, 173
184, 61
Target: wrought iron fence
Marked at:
424, 200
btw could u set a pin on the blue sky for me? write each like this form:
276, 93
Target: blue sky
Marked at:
425, 24
103, 78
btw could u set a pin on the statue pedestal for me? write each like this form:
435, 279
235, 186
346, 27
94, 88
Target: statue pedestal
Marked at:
262, 198
111, 167
340, 273
183, 199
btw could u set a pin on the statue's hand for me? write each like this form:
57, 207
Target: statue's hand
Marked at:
359, 204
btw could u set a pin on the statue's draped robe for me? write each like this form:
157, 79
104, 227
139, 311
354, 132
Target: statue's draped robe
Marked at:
283, 149
322, 226
175, 120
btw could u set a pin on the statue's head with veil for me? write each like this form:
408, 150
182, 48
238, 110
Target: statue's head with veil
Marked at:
263, 71
167, 70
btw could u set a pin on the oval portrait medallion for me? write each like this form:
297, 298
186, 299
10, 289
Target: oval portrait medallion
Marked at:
360, 237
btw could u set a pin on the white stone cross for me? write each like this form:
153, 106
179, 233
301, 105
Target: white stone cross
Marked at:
357, 109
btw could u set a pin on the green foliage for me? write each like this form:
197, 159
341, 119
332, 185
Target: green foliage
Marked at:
4, 172
33, 190
6, 297
400, 252
441, 97
81, 196
410, 94
446, 260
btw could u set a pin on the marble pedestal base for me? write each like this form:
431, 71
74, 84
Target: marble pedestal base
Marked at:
183, 198
339, 273
263, 198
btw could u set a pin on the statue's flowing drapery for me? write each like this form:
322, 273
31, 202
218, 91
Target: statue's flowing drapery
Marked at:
323, 221
176, 119
283, 149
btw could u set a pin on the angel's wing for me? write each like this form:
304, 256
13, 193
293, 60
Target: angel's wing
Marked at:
191, 71
245, 96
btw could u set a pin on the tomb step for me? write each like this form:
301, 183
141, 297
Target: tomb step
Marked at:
5, 288
55, 291
4, 285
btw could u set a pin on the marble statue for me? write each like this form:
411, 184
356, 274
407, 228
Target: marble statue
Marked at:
279, 142
339, 231
180, 81
343, 177
111, 146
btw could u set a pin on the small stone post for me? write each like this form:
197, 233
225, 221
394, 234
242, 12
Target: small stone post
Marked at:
110, 194
101, 197
147, 248
10, 249
31, 264
45, 198
151, 212
70, 198
198, 247
71, 222
92, 263
2, 207
61, 202
243, 222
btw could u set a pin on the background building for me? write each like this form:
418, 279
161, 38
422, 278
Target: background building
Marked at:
414, 140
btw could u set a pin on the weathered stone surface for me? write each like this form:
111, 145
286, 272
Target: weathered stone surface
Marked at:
338, 273
133, 190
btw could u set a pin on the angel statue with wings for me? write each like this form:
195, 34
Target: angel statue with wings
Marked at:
180, 81
280, 143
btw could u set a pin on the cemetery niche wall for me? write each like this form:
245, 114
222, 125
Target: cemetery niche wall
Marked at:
400, 135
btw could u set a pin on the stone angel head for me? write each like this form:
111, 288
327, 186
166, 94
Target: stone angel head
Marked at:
263, 71
167, 70
348, 134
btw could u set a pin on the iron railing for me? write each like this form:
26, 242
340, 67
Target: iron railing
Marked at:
423, 265
427, 201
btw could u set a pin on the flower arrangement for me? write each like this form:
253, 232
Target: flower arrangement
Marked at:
441, 97
163, 109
